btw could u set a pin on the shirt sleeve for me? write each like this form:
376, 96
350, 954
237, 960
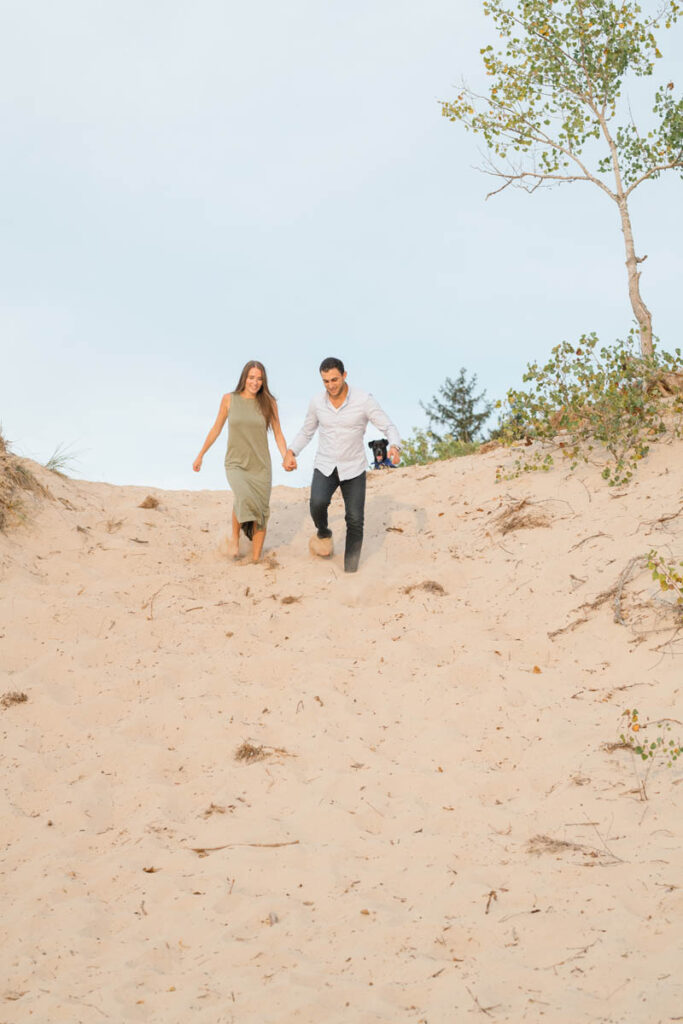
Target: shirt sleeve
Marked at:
379, 419
310, 425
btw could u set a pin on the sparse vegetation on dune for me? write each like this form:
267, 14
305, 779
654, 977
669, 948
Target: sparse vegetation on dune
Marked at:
594, 403
16, 480
61, 459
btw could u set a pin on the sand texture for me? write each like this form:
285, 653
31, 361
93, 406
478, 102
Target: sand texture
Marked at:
274, 793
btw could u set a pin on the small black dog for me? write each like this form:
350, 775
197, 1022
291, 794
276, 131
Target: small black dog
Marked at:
379, 451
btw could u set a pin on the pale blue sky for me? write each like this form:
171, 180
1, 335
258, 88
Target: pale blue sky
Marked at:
187, 186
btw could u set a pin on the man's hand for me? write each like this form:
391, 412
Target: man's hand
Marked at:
289, 461
394, 454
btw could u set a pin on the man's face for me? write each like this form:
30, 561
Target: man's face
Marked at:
334, 382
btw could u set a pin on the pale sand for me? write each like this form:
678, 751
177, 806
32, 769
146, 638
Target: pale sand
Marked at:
378, 864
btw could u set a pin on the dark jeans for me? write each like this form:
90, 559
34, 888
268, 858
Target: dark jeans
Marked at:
353, 492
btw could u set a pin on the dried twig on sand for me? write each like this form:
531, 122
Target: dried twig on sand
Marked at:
204, 851
520, 515
615, 591
621, 583
586, 539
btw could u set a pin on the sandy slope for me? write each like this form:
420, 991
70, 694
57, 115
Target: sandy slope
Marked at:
383, 862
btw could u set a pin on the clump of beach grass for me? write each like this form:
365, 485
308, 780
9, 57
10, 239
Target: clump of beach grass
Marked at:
16, 480
62, 458
249, 752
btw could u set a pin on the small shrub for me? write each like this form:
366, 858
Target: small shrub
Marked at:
588, 398
667, 574
423, 446
647, 749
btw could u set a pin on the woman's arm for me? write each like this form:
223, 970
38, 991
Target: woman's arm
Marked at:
277, 431
214, 432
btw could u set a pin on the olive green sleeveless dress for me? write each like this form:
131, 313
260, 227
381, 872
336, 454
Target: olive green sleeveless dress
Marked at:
247, 463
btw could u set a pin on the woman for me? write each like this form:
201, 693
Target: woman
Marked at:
250, 411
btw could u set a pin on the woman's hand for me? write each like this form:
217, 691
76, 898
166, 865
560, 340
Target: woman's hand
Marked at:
197, 464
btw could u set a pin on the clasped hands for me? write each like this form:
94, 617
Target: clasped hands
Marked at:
289, 461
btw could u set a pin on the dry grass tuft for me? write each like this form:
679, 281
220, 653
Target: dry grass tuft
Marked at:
149, 502
546, 844
520, 515
12, 697
16, 479
249, 753
431, 586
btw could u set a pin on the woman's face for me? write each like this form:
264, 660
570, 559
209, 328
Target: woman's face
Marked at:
254, 381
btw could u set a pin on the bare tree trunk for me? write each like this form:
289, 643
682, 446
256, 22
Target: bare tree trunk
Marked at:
640, 310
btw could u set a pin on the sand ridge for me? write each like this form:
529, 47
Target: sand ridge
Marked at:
435, 827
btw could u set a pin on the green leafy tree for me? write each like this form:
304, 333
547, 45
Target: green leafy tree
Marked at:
455, 407
554, 110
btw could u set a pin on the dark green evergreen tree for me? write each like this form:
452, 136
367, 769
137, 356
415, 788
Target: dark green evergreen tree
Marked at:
454, 408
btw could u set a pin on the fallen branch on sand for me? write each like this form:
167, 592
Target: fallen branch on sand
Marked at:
615, 591
204, 851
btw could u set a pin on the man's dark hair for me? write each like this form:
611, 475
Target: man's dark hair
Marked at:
332, 364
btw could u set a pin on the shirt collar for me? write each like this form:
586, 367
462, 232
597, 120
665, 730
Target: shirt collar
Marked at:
338, 408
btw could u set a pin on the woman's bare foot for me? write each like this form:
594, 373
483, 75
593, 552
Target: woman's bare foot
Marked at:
232, 547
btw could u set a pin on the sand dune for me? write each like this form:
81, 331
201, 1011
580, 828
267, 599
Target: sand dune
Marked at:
435, 828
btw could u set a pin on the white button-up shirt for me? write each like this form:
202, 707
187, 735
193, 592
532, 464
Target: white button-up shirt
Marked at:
342, 432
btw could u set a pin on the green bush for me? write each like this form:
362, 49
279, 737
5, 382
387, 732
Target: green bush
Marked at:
588, 398
423, 446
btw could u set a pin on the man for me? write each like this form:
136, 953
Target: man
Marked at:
341, 414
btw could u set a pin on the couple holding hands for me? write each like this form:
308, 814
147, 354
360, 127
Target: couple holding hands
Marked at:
340, 414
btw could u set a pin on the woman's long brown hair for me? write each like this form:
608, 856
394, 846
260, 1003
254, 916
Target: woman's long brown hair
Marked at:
264, 398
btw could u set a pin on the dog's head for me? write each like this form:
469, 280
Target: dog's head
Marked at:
379, 449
